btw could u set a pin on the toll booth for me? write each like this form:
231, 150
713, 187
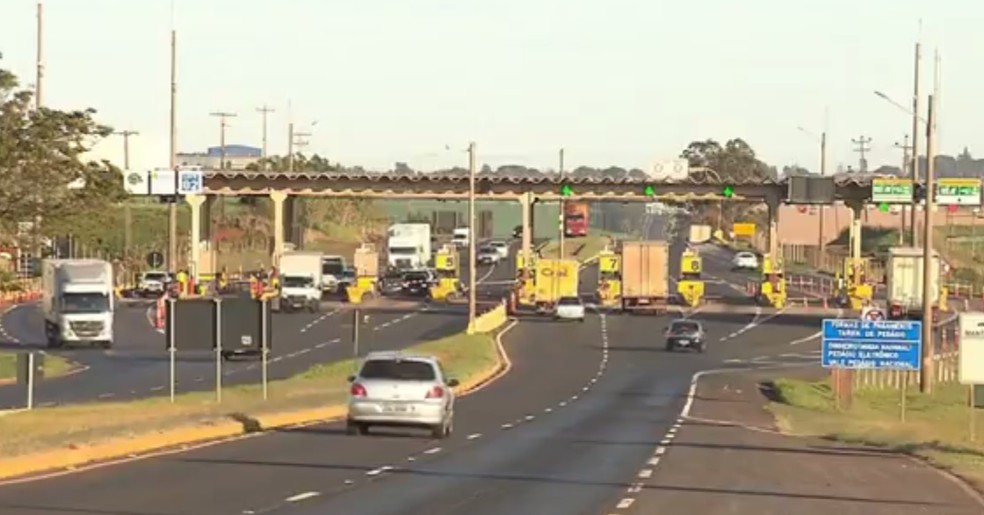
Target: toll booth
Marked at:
524, 294
366, 263
609, 278
690, 285
854, 288
772, 289
448, 269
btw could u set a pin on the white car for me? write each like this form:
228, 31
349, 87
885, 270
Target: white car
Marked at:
501, 247
395, 389
569, 308
488, 256
745, 261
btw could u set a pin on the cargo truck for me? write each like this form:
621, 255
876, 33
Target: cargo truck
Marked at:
300, 281
553, 279
575, 219
700, 233
332, 273
78, 302
904, 282
645, 275
408, 246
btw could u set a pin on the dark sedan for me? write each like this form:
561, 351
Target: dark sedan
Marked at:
685, 334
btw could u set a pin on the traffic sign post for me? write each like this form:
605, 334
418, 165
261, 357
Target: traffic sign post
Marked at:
856, 344
958, 192
891, 191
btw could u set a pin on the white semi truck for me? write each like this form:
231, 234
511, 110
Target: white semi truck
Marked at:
78, 302
300, 281
904, 282
408, 246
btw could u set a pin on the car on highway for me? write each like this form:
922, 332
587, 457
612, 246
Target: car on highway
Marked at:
154, 283
745, 261
569, 308
417, 283
396, 389
685, 334
501, 247
488, 255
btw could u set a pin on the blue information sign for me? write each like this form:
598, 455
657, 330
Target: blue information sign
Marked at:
871, 344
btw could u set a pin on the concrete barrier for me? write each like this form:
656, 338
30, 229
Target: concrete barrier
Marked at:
490, 320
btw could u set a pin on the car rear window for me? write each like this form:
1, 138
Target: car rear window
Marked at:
416, 277
684, 327
569, 301
400, 370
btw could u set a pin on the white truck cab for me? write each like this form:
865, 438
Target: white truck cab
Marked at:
78, 302
332, 272
300, 281
461, 236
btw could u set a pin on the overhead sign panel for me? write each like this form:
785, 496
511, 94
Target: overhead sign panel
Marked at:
810, 190
891, 191
743, 229
871, 344
958, 192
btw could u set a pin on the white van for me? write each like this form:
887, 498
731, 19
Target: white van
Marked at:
460, 236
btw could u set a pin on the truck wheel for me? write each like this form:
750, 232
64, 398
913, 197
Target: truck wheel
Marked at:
106, 345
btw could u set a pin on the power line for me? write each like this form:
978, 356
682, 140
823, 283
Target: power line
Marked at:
862, 149
222, 127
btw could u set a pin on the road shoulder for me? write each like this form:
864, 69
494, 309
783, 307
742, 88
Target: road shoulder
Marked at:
728, 457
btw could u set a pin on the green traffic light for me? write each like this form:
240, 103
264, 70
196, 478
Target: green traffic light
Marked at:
728, 191
566, 190
650, 191
883, 207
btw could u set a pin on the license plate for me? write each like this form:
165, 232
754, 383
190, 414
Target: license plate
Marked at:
396, 408
683, 342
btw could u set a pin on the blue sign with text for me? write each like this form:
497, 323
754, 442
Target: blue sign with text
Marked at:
871, 344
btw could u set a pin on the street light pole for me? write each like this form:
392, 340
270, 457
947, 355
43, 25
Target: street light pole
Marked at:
172, 253
472, 236
915, 142
823, 171
926, 372
127, 210
39, 64
563, 205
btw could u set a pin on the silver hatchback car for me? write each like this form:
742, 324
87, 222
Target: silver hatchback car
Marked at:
395, 389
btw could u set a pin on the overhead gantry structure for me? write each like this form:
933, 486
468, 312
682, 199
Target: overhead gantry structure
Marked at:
701, 185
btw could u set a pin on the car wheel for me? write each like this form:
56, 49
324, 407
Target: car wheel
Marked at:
669, 347
701, 348
440, 431
581, 319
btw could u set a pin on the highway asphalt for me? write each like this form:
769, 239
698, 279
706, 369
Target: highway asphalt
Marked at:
138, 365
565, 432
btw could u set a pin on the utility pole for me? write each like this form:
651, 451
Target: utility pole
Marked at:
39, 65
223, 116
294, 139
914, 167
906, 147
926, 372
862, 149
823, 171
472, 236
172, 254
264, 111
127, 210
563, 204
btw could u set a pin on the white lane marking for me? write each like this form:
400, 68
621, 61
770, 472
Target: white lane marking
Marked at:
474, 436
435, 450
530, 417
380, 470
625, 503
302, 496
665, 441
318, 320
661, 450
506, 426
645, 473
634, 488
653, 462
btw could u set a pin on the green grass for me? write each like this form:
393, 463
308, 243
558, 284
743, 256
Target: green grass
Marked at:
937, 426
465, 356
54, 366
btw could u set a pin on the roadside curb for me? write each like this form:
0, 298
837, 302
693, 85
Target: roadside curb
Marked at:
70, 459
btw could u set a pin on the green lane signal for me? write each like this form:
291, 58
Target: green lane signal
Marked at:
728, 191
883, 207
566, 190
649, 191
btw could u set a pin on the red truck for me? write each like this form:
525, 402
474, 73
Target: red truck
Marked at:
575, 219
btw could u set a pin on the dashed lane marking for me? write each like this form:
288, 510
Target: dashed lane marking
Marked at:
302, 496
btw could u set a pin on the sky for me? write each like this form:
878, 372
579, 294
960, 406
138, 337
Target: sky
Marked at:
615, 82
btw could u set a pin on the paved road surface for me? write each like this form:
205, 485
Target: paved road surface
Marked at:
747, 468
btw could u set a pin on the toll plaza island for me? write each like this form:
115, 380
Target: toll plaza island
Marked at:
698, 185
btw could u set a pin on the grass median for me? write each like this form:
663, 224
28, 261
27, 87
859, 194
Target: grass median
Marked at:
79, 425
937, 426
54, 366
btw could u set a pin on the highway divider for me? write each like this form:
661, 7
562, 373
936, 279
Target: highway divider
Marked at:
63, 439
